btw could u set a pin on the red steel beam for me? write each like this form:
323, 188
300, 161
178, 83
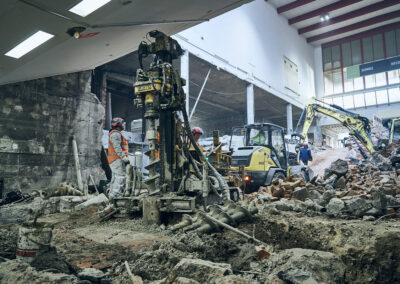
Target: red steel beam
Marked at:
356, 26
322, 10
353, 14
292, 5
371, 32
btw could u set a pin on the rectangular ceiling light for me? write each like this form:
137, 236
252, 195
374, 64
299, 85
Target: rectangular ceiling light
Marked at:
30, 43
85, 7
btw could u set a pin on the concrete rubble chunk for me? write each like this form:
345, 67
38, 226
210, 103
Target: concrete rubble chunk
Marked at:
97, 200
184, 280
20, 212
335, 206
379, 201
358, 206
298, 265
300, 193
284, 205
91, 274
341, 183
314, 194
200, 270
231, 279
339, 167
328, 195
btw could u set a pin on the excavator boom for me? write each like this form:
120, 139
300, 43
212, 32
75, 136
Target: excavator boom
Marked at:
357, 125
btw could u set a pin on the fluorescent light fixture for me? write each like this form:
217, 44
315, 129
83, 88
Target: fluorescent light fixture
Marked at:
30, 43
85, 7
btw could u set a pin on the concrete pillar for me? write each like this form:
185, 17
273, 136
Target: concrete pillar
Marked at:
289, 118
317, 131
185, 75
108, 112
250, 103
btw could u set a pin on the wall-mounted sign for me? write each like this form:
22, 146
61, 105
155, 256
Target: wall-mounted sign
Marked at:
373, 67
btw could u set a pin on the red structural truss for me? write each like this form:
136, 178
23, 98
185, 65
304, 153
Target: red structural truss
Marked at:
356, 26
357, 13
322, 10
292, 5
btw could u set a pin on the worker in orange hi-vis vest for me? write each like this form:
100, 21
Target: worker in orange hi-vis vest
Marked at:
117, 157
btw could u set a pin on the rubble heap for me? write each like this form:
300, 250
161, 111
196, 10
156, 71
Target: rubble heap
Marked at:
370, 189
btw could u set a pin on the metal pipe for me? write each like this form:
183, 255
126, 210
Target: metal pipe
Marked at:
201, 91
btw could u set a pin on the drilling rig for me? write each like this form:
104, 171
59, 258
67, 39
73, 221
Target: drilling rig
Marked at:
177, 182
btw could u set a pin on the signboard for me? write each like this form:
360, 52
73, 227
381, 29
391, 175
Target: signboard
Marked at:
373, 67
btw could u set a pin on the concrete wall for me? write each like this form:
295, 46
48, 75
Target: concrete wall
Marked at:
37, 119
254, 38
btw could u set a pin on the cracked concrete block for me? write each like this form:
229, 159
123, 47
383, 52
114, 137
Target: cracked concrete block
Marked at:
335, 205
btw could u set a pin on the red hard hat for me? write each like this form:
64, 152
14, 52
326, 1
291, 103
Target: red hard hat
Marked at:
197, 130
117, 122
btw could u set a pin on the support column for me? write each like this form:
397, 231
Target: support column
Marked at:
250, 103
108, 112
185, 75
318, 132
289, 118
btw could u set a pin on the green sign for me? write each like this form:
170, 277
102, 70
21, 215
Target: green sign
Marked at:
353, 72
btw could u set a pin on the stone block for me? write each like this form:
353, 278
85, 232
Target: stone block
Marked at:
300, 193
100, 199
334, 207
358, 206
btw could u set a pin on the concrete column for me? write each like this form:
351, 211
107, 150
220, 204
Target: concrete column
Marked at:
185, 75
108, 111
250, 103
289, 118
318, 132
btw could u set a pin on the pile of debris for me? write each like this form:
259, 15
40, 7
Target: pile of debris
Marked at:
371, 189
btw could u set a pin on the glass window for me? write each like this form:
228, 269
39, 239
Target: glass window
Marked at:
370, 99
278, 145
381, 97
378, 47
328, 83
380, 79
346, 52
390, 44
394, 95
356, 52
336, 56
359, 100
338, 101
398, 41
337, 82
258, 137
393, 77
367, 49
328, 101
358, 83
327, 59
348, 83
348, 102
370, 81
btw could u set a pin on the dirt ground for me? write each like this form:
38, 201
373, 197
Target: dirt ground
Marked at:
368, 249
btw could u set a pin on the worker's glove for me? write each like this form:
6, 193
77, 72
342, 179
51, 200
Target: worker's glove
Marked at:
125, 159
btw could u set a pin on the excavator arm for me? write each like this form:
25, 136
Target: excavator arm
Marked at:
357, 125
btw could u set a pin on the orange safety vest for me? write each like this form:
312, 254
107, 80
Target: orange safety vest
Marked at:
112, 155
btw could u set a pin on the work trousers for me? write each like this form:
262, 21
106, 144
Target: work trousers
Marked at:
117, 185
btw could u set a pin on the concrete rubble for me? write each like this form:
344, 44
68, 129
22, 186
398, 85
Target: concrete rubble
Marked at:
310, 233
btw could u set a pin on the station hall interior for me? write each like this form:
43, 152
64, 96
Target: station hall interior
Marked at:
263, 113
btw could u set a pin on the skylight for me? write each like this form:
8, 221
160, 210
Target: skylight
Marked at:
29, 44
85, 7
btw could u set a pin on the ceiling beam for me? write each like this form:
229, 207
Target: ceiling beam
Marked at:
292, 5
323, 10
353, 14
356, 26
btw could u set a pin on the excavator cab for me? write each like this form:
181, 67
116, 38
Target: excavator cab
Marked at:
395, 130
261, 150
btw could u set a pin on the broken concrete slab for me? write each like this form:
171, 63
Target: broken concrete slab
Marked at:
230, 279
300, 193
20, 212
92, 274
297, 265
358, 206
100, 199
200, 270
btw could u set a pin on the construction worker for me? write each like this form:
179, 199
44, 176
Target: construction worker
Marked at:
304, 154
196, 132
117, 157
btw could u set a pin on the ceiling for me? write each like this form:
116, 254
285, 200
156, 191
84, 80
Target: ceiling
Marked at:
346, 17
63, 54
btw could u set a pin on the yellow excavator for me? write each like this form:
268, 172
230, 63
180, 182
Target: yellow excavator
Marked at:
261, 156
357, 125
